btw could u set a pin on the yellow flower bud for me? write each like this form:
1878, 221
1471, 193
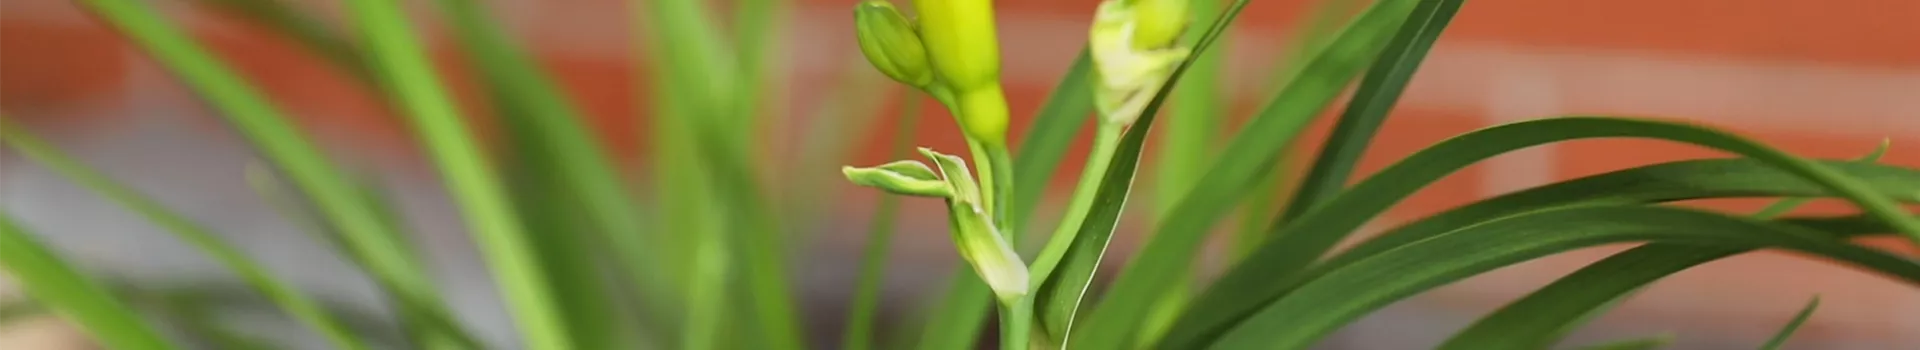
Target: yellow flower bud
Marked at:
961, 43
1158, 23
890, 43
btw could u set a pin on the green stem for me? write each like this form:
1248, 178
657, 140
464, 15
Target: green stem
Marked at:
1106, 139
1016, 323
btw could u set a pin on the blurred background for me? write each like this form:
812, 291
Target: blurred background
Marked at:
1819, 78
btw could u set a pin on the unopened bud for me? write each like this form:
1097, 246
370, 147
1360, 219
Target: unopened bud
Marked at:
903, 177
1128, 75
980, 243
891, 44
961, 43
1158, 23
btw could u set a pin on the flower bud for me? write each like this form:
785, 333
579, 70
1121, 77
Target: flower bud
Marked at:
980, 243
1128, 75
961, 43
891, 44
903, 177
1158, 23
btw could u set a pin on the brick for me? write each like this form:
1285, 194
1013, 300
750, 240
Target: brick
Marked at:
64, 75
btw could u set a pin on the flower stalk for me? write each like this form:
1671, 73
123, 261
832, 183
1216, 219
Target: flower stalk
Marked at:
952, 53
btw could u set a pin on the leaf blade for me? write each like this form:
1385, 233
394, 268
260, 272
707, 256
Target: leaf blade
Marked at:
412, 81
1549, 313
1780, 338
1379, 90
290, 299
1168, 254
56, 284
1329, 301
341, 203
1305, 240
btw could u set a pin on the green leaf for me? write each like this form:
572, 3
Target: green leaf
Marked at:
1375, 97
293, 22
1330, 301
1168, 254
520, 273
363, 229
1063, 274
1198, 111
54, 282
710, 168
288, 298
1548, 314
1785, 205
194, 316
873, 262
904, 177
1780, 338
1644, 343
1227, 302
569, 176
1051, 132
1265, 274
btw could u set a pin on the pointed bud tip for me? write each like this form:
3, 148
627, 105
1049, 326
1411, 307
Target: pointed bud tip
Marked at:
891, 43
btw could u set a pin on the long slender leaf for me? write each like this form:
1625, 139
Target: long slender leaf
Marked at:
1051, 131
1379, 90
410, 78
380, 247
1643, 343
1550, 313
1786, 332
1194, 119
757, 25
1321, 306
194, 316
569, 167
1225, 303
1168, 254
1321, 25
1194, 123
1302, 241
53, 281
1063, 286
698, 75
873, 263
289, 299
287, 19
688, 217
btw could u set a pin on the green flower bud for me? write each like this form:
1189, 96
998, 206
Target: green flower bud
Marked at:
980, 243
960, 40
903, 177
1128, 76
891, 44
1158, 23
